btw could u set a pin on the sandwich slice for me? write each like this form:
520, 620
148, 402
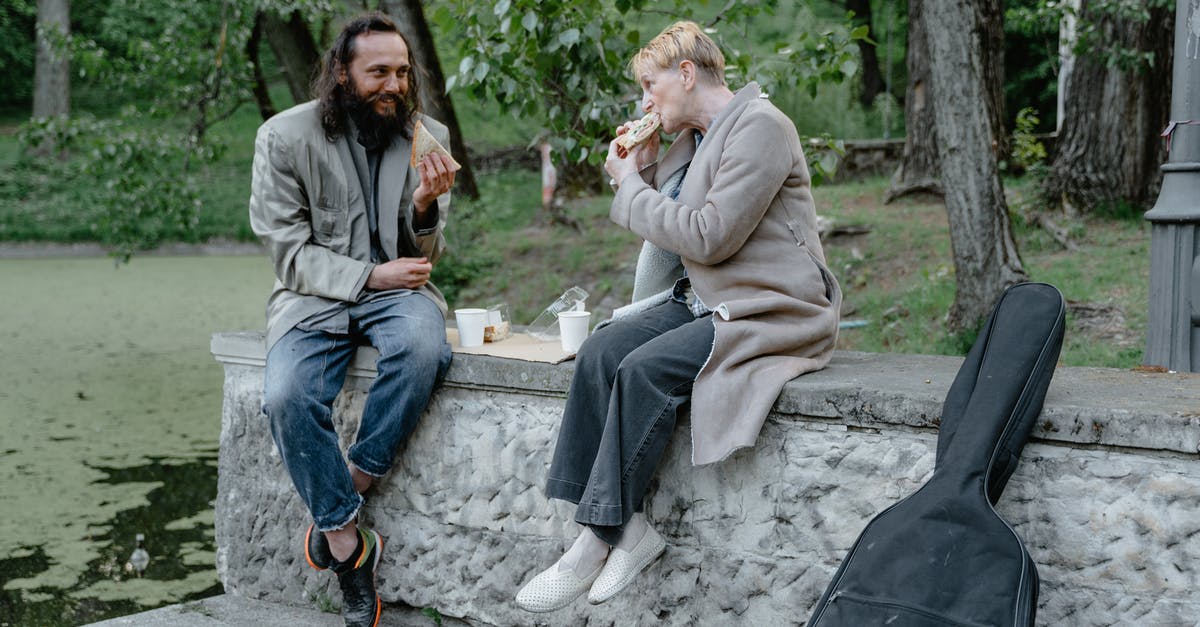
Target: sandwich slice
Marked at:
641, 131
423, 143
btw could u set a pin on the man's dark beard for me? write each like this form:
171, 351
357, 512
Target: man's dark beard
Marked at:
375, 131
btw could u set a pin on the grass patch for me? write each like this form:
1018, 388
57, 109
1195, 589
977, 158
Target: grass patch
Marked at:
433, 614
325, 603
899, 277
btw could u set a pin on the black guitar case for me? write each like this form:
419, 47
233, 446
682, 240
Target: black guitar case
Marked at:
943, 556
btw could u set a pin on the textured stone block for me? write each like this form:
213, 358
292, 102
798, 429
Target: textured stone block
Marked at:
1114, 526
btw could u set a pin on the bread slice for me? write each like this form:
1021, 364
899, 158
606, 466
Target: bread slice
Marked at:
641, 131
423, 143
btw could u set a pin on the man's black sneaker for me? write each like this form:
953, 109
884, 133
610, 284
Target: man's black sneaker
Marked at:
316, 549
356, 576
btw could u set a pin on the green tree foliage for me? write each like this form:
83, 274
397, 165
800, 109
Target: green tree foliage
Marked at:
564, 61
1028, 152
171, 69
1092, 39
167, 57
137, 171
1040, 19
164, 58
18, 19
18, 24
1031, 57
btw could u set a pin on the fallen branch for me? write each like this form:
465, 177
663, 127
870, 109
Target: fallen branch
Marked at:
926, 186
1057, 232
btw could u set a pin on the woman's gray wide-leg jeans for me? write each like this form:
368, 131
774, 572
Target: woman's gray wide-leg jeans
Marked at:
631, 377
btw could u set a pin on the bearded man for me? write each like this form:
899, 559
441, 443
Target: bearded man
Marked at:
353, 232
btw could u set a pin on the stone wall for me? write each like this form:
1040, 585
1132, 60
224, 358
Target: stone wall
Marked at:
1107, 496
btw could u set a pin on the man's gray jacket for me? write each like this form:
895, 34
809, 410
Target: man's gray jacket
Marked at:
309, 208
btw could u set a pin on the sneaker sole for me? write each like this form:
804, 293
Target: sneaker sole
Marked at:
307, 556
375, 576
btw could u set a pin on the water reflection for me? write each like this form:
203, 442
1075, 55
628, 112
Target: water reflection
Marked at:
177, 522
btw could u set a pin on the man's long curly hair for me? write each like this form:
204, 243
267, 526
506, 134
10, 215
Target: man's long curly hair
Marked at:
334, 95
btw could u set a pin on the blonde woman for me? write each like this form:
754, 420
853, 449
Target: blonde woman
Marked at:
748, 304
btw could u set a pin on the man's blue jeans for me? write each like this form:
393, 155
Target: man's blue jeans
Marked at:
306, 370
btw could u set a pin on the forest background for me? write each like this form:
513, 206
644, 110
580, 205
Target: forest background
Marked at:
146, 136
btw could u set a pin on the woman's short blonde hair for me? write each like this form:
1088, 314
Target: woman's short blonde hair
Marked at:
679, 41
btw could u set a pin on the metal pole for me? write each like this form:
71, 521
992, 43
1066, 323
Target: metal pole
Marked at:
1173, 324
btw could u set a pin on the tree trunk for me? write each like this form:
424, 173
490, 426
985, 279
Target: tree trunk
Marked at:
295, 51
985, 253
872, 78
992, 29
52, 69
262, 95
435, 102
918, 170
1109, 150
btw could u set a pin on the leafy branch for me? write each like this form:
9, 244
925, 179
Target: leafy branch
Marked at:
563, 61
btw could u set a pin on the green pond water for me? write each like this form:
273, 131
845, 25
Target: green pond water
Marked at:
110, 413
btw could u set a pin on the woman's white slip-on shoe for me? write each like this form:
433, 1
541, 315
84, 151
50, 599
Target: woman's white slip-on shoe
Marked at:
552, 590
623, 566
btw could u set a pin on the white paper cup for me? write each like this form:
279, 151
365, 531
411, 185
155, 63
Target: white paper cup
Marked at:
470, 326
573, 329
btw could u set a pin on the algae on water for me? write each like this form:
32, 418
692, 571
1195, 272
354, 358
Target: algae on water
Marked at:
110, 425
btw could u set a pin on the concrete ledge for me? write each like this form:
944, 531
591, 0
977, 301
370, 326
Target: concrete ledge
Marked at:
1107, 496
1086, 406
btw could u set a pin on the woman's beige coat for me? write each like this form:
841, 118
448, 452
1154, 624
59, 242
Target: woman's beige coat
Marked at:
746, 228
